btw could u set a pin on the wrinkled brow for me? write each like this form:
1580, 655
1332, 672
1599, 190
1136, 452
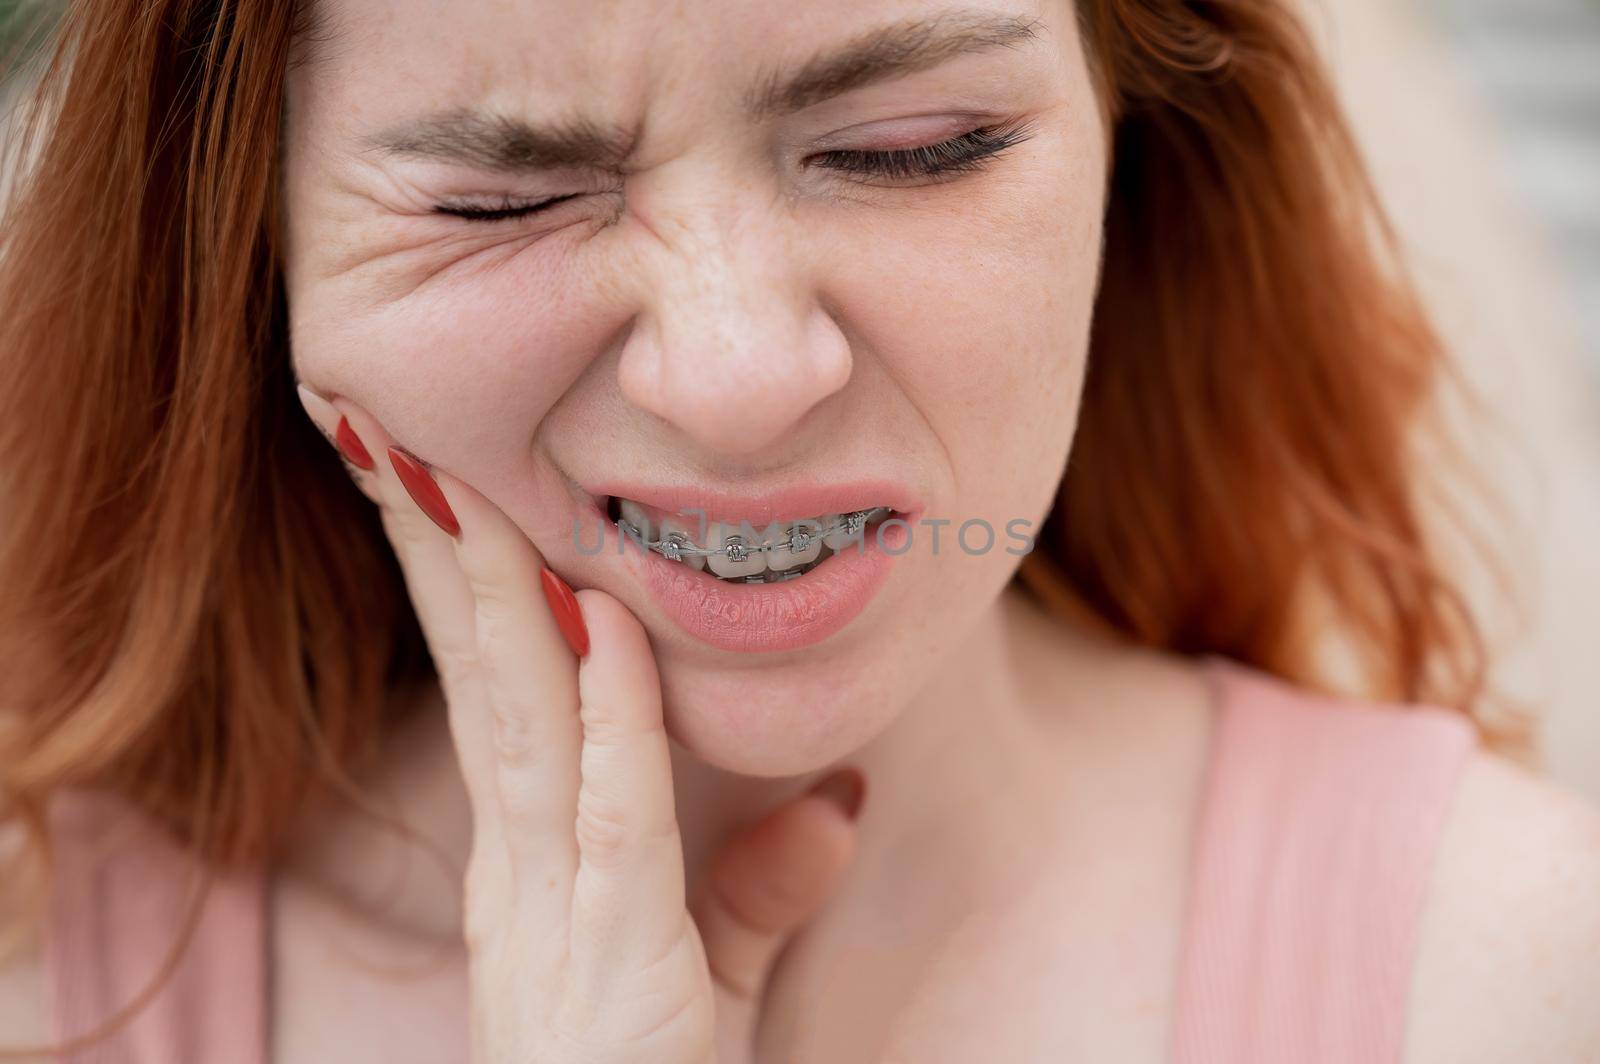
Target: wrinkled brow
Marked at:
500, 142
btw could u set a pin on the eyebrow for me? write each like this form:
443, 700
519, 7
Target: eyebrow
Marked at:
891, 51
497, 142
502, 143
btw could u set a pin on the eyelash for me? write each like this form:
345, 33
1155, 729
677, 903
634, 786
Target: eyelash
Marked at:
506, 208
958, 155
964, 154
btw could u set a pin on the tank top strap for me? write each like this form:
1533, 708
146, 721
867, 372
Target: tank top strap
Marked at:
1312, 856
119, 897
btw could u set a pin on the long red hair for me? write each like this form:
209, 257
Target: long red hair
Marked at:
200, 611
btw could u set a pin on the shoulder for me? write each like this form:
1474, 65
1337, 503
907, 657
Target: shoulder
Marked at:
1508, 953
22, 970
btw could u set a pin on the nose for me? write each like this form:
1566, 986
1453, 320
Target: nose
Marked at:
732, 346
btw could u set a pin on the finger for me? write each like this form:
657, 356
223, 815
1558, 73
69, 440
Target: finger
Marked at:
439, 592
530, 677
357, 457
628, 900
441, 595
763, 886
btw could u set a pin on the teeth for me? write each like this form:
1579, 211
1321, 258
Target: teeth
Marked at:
634, 514
782, 551
732, 564
841, 539
685, 529
777, 532
806, 531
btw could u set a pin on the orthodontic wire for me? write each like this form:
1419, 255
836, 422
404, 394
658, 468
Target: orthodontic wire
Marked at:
676, 546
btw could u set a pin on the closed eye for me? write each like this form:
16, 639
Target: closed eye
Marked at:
505, 207
964, 154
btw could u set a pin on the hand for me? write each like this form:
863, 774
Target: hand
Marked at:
581, 945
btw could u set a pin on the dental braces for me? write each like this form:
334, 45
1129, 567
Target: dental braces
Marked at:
677, 546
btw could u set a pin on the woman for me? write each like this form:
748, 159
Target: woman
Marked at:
647, 300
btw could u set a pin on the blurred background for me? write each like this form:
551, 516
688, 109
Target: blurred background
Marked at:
1481, 122
1535, 64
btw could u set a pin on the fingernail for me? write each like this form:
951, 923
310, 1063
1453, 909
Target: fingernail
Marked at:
845, 788
350, 445
569, 618
424, 490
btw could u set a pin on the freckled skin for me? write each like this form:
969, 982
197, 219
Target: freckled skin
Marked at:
724, 313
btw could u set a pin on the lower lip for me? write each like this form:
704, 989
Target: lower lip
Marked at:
764, 618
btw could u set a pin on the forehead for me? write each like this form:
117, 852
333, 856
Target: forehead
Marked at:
612, 58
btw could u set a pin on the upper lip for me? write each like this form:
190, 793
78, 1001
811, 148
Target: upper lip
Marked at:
791, 503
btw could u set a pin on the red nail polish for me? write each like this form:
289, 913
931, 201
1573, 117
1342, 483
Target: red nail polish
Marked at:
350, 445
845, 788
569, 618
424, 490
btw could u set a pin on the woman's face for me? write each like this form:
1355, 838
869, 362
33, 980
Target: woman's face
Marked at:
722, 302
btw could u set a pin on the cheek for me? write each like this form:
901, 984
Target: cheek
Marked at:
461, 368
982, 318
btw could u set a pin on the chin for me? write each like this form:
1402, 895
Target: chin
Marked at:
777, 721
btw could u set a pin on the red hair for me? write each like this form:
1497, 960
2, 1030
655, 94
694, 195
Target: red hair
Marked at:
1246, 477
201, 612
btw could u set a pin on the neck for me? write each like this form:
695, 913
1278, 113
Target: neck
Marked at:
974, 725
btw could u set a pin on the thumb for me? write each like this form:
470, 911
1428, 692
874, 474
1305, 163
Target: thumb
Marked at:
763, 885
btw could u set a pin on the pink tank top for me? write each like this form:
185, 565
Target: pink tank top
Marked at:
1311, 859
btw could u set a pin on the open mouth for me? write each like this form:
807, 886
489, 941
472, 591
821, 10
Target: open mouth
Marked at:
741, 553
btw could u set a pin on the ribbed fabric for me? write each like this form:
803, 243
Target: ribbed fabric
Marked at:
1312, 853
116, 906
1311, 864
